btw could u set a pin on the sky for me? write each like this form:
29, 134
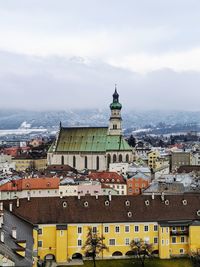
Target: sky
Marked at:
63, 54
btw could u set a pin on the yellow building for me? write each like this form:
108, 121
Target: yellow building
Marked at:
60, 225
23, 163
156, 161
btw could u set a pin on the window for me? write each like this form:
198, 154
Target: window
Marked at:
74, 161
155, 228
173, 239
146, 228
61, 233
79, 242
127, 228
116, 229
155, 240
40, 231
114, 158
122, 192
127, 241
86, 162
79, 230
167, 242
127, 158
182, 228
97, 162
108, 160
120, 158
163, 242
106, 229
39, 243
112, 242
94, 229
182, 239
62, 160
136, 228
181, 250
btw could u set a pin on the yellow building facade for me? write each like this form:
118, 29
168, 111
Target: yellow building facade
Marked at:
64, 242
60, 225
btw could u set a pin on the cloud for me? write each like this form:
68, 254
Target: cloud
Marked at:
42, 83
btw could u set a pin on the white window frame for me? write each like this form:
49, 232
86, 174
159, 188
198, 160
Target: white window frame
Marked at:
112, 240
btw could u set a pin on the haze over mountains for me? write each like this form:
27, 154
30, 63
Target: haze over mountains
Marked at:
13, 119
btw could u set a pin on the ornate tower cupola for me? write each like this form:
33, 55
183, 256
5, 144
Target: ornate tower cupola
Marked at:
115, 125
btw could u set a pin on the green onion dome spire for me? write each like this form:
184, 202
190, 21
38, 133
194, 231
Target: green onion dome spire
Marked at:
115, 104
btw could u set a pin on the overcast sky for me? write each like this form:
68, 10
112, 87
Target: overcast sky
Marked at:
61, 54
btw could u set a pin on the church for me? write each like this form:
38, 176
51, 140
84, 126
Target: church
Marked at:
92, 148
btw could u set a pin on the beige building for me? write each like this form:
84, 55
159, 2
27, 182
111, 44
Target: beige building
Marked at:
92, 148
179, 159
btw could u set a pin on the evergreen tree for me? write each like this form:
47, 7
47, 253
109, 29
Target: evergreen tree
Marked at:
132, 141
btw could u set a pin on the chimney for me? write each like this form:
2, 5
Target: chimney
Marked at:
1, 219
162, 196
153, 196
1, 206
79, 197
2, 237
17, 202
28, 196
97, 196
109, 197
61, 194
10, 207
14, 232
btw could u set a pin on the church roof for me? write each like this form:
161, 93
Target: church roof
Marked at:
89, 139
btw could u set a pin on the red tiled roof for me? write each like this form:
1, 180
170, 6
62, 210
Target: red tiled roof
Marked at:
31, 183
106, 177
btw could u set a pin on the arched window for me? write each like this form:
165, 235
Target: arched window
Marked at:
127, 158
114, 158
97, 162
108, 160
86, 163
74, 161
120, 158
62, 160
114, 126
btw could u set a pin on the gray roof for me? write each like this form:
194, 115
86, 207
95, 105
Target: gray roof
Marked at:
24, 232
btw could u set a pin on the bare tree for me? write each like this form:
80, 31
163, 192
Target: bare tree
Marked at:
94, 245
195, 258
141, 249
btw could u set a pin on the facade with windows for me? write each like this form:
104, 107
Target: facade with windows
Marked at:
171, 225
92, 148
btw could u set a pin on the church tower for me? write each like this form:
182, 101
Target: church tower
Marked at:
115, 124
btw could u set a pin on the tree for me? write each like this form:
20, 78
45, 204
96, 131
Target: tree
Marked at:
195, 258
132, 141
141, 249
94, 244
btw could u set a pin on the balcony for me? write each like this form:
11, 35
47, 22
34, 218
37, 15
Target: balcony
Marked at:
179, 232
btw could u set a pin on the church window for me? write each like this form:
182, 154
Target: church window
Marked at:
86, 162
127, 158
74, 161
120, 158
114, 126
97, 162
114, 158
108, 160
